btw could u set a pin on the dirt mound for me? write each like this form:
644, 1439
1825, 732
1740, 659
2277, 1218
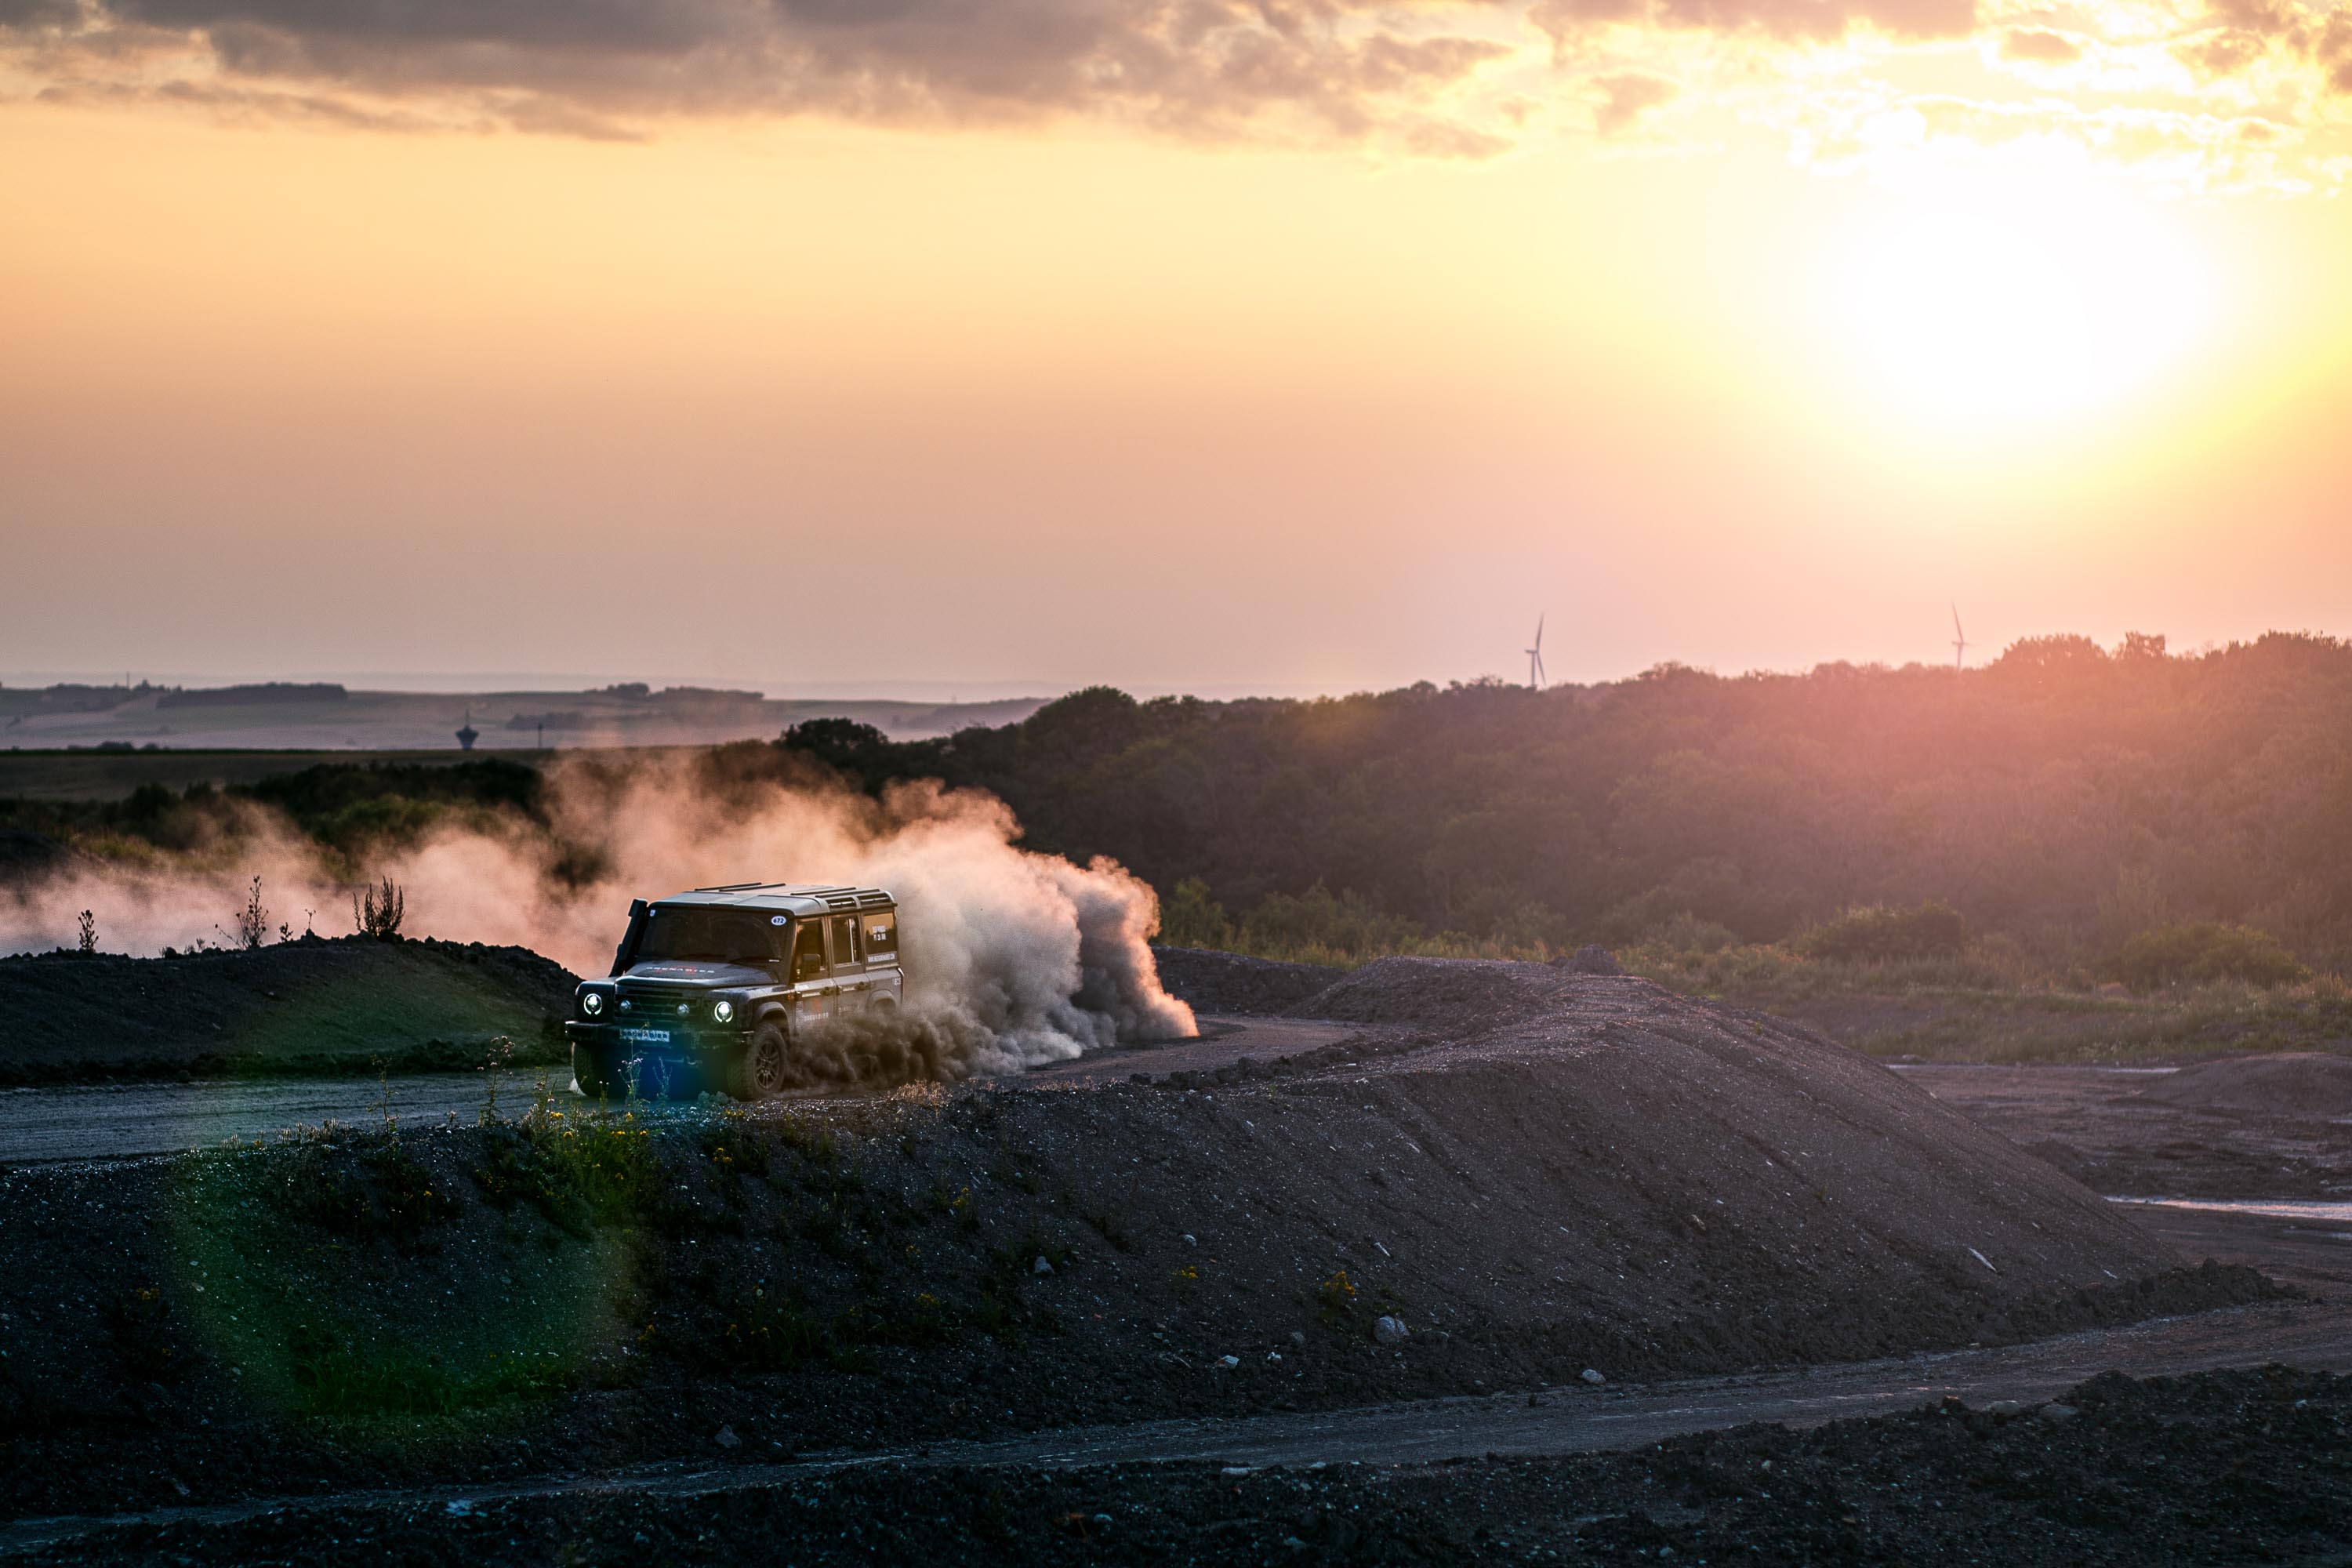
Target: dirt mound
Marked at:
2218, 1466
312, 1005
1213, 982
1617, 1179
1464, 998
2297, 1083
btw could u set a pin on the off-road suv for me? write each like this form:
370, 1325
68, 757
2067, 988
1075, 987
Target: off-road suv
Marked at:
708, 986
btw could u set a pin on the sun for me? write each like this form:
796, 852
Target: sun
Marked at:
1992, 305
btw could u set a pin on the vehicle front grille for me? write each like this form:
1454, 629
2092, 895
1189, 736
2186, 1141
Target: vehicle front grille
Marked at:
655, 1003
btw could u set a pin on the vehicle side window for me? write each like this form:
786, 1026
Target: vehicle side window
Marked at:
881, 931
844, 939
808, 950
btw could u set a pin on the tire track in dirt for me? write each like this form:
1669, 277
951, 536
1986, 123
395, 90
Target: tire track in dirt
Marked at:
2314, 1335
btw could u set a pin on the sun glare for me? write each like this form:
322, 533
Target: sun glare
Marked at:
2011, 307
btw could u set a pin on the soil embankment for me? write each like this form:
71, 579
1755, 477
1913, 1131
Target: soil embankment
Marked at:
1529, 1172
307, 1006
1231, 983
2298, 1084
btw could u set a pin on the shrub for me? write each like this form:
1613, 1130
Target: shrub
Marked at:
380, 917
1876, 933
1318, 922
2202, 954
1337, 1299
252, 920
1685, 933
1189, 917
579, 1171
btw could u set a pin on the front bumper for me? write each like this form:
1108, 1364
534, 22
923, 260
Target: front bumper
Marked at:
690, 1062
618, 1041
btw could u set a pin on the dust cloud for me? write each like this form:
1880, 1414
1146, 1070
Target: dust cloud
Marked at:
1013, 958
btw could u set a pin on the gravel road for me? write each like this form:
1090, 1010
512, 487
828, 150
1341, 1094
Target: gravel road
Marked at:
113, 1122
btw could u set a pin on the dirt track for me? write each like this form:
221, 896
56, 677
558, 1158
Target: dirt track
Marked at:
110, 1121
2314, 1335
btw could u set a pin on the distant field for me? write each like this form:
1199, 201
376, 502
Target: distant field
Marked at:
110, 776
383, 724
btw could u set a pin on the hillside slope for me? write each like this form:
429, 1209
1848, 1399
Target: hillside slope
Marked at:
313, 1005
1530, 1174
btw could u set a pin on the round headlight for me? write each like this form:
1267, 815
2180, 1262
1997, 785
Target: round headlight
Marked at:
724, 1011
592, 1003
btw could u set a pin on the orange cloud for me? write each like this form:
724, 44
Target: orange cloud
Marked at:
2039, 47
1628, 95
1810, 19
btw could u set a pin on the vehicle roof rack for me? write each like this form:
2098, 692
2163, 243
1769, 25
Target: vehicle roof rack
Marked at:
832, 895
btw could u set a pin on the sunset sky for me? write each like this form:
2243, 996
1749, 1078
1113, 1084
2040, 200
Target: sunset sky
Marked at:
1185, 344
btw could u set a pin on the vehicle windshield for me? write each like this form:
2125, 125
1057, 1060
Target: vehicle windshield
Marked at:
710, 935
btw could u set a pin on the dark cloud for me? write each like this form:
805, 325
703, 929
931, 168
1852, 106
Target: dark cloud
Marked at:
243, 106
1344, 68
610, 25
2037, 45
1297, 71
30, 14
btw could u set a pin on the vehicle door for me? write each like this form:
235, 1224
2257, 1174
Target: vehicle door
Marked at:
848, 962
813, 992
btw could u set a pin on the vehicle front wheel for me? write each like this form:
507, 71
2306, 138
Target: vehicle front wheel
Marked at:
589, 1073
759, 1072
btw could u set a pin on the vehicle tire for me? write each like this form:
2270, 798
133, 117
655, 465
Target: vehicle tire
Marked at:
589, 1073
759, 1072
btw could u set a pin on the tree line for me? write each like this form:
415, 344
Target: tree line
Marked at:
2065, 798
2069, 796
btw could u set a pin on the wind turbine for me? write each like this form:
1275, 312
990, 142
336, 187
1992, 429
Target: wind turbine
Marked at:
1535, 658
1959, 642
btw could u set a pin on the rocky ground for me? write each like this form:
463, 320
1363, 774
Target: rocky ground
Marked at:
2223, 1467
310, 1006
